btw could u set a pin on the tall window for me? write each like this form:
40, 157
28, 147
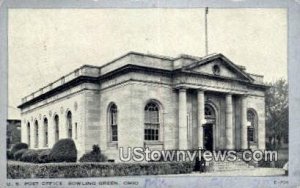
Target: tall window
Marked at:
76, 130
151, 121
36, 132
28, 134
69, 124
113, 123
251, 117
56, 127
45, 132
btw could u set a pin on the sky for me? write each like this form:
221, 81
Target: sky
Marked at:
45, 44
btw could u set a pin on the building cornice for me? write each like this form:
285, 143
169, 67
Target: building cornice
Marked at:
218, 77
97, 78
77, 81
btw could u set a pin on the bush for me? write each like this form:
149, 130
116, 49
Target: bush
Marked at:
18, 147
43, 156
96, 150
18, 154
280, 163
63, 151
30, 156
9, 155
93, 156
76, 170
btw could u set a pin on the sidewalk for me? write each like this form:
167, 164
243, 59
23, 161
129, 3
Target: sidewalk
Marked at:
250, 172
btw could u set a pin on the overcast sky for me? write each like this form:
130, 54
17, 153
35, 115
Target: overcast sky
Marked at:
45, 44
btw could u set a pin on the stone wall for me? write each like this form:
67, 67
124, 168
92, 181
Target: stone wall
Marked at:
91, 134
131, 99
74, 102
258, 105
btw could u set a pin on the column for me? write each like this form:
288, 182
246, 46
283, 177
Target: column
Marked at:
33, 135
41, 138
51, 132
229, 129
63, 133
29, 134
244, 144
201, 117
182, 119
24, 132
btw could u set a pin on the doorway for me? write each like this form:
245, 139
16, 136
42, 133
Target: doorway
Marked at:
208, 139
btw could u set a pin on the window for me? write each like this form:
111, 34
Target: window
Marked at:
56, 127
69, 124
250, 133
28, 134
151, 121
216, 69
209, 113
252, 119
45, 132
113, 117
36, 132
76, 130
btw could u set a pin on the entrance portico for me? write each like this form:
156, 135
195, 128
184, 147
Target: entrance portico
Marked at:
217, 124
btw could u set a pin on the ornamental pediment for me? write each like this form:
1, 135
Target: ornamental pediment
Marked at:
219, 66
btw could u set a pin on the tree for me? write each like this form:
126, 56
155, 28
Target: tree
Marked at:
277, 110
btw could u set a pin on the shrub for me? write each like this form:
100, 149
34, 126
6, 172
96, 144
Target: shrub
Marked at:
280, 163
9, 155
63, 151
43, 156
93, 156
18, 154
76, 170
30, 156
96, 149
18, 147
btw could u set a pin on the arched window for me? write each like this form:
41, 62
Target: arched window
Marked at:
69, 124
28, 134
252, 119
113, 122
76, 131
45, 132
56, 127
36, 132
151, 121
209, 112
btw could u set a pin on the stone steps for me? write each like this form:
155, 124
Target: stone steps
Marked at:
218, 166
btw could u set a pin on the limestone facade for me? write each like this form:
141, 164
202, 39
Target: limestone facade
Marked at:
142, 100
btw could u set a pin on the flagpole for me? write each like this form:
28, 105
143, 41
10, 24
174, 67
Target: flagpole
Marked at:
206, 36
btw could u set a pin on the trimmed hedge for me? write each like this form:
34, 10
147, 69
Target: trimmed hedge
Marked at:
30, 156
64, 150
18, 154
43, 156
76, 170
9, 155
94, 156
18, 147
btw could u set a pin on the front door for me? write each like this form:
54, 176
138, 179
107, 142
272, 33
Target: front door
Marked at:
208, 137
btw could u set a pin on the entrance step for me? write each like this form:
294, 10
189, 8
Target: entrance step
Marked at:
219, 166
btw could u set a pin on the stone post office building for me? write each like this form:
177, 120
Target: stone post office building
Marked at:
142, 100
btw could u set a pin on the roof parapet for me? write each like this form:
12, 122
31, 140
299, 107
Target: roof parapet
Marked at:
85, 70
